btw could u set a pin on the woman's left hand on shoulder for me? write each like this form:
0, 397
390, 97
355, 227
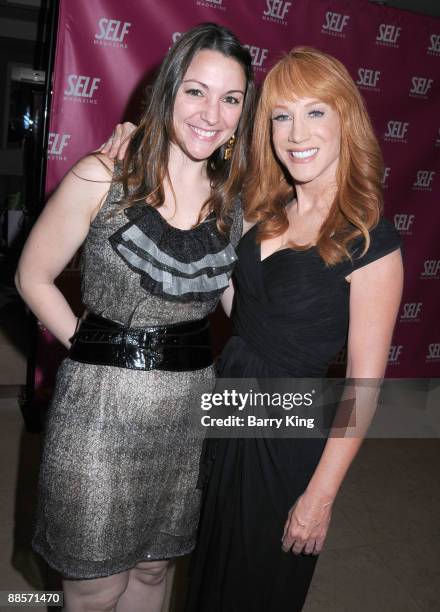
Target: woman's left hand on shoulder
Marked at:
117, 144
307, 524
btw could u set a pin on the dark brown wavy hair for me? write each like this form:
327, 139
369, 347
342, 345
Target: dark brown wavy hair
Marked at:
357, 205
145, 165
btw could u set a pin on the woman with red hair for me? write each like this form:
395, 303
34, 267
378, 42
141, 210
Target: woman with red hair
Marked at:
319, 263
319, 267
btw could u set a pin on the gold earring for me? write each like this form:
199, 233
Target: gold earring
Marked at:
229, 148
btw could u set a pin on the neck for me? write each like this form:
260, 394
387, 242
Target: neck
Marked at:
317, 195
183, 169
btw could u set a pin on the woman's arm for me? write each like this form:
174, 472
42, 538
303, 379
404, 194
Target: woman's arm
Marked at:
54, 240
375, 295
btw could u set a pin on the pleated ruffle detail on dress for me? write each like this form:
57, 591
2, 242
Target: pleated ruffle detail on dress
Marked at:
184, 265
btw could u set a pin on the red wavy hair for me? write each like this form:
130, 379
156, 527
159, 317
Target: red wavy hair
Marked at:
357, 205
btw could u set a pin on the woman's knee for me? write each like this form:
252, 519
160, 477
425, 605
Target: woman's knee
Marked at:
150, 573
96, 595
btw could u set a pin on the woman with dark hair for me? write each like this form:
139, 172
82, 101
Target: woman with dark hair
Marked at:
118, 493
320, 262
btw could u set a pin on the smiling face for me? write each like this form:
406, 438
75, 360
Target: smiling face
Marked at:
306, 135
208, 104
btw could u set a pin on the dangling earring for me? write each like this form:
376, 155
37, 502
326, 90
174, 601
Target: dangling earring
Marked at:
229, 148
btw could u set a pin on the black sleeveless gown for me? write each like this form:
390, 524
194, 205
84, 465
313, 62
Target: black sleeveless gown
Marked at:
290, 319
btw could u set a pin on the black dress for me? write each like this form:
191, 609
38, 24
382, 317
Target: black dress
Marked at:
291, 319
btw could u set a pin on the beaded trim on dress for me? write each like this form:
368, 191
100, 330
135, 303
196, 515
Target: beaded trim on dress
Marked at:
184, 265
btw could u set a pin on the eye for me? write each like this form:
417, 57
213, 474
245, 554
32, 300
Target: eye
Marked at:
194, 92
232, 100
316, 113
280, 117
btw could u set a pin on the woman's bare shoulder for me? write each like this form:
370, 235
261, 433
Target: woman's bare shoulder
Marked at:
94, 167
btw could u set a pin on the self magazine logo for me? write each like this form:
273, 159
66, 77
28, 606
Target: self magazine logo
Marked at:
396, 131
81, 88
431, 269
368, 79
411, 312
215, 4
259, 56
424, 179
57, 143
112, 33
335, 24
433, 352
394, 354
403, 223
276, 11
388, 35
434, 45
385, 177
420, 87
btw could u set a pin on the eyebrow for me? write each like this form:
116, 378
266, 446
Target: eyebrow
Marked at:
207, 87
314, 101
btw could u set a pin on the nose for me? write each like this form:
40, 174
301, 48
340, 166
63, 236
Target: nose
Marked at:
299, 132
211, 111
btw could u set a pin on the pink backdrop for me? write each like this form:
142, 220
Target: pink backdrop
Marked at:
107, 48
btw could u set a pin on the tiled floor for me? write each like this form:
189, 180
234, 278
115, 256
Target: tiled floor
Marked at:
16, 494
382, 553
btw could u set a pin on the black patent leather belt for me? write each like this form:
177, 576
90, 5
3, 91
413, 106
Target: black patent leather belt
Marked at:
179, 347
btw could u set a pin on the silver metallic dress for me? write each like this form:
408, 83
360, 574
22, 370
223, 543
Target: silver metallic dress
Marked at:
120, 462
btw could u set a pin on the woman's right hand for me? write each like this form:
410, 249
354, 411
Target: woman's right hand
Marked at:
307, 524
116, 145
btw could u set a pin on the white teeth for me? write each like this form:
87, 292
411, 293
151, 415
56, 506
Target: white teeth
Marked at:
203, 133
303, 154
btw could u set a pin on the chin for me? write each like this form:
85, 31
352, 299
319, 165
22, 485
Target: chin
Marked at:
301, 177
199, 155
